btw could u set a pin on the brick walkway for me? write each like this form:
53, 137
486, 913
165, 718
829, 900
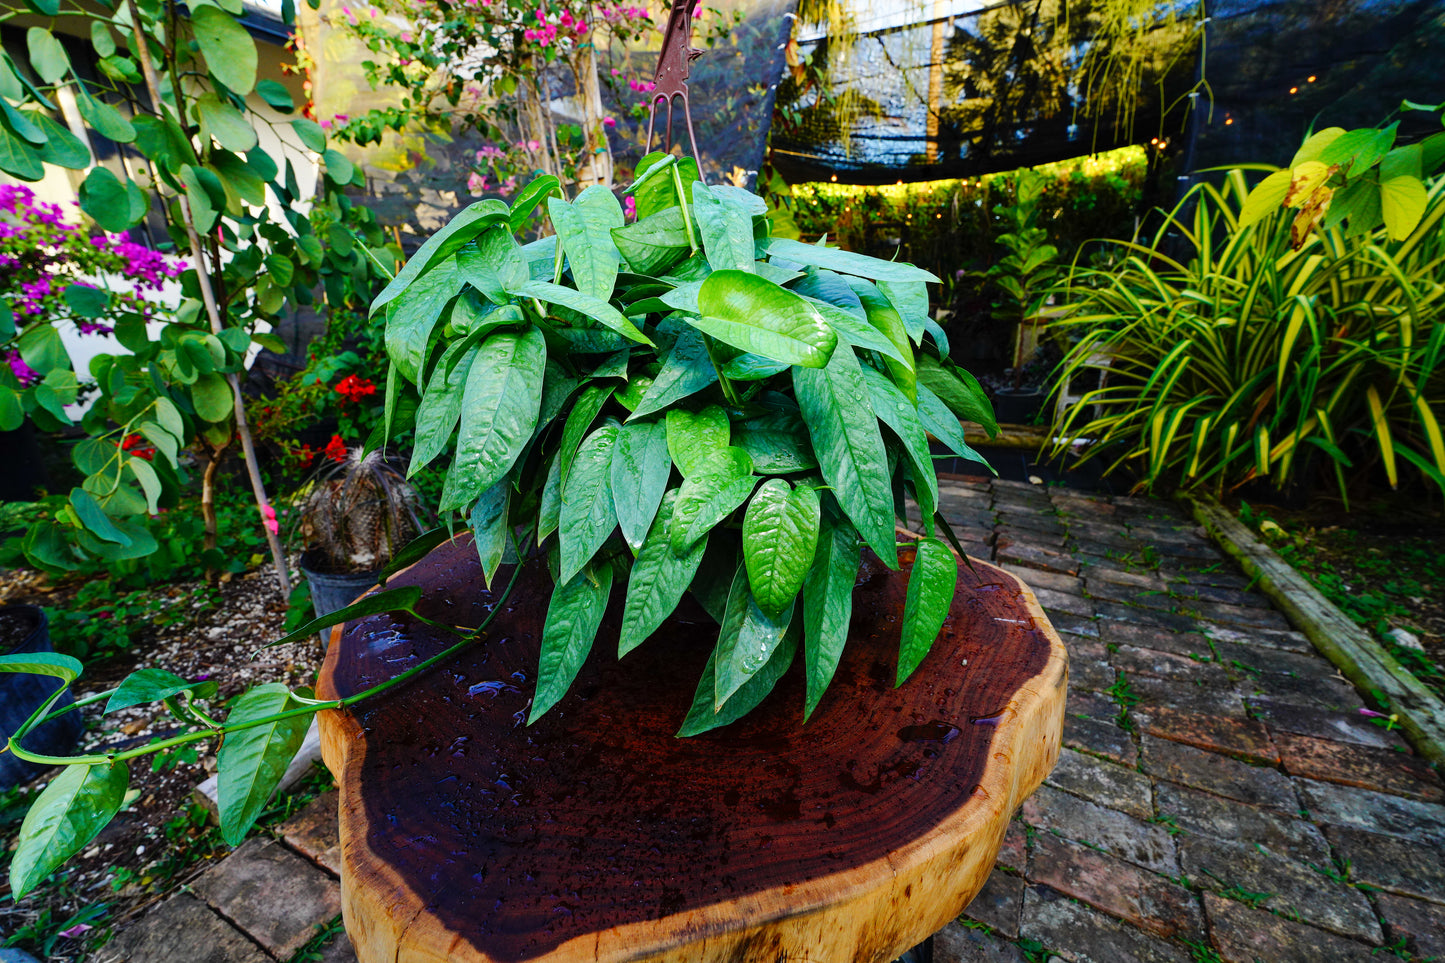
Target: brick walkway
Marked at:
1220, 796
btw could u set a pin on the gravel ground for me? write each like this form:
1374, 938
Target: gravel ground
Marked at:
155, 844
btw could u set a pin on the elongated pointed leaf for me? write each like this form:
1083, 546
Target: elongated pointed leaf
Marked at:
780, 535
931, 585
64, 667
704, 716
441, 405
641, 467
549, 514
777, 441
828, 607
727, 232
857, 331
69, 813
754, 314
746, 641
416, 312
392, 600
251, 762
693, 438
489, 527
579, 422
720, 485
959, 390
687, 370
584, 228
595, 308
850, 451
895, 411
938, 421
658, 580
886, 318
653, 244
152, 685
573, 617
499, 411
846, 262
461, 229
588, 517
529, 197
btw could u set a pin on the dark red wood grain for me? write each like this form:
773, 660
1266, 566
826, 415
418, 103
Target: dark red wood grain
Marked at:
520, 838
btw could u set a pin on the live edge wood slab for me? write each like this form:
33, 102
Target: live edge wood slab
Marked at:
598, 835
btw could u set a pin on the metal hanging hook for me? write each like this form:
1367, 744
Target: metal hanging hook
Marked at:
669, 83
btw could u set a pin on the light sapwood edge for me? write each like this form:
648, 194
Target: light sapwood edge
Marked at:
871, 912
1353, 651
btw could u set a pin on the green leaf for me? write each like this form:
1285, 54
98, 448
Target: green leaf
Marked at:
573, 617
549, 513
441, 404
655, 190
499, 411
338, 166
197, 182
858, 332
959, 390
584, 228
75, 807
41, 348
105, 119
595, 308
94, 518
225, 123
780, 535
62, 148
828, 607
658, 580
87, 301
910, 300
12, 413
727, 233
846, 262
754, 314
101, 39
941, 423
753, 367
146, 476
1315, 144
64, 667
461, 229
588, 517
227, 46
641, 467
152, 685
579, 421
687, 370
654, 243
415, 313
899, 414
931, 585
703, 716
251, 762
1265, 199
103, 197
47, 56
18, 157
529, 197
849, 447
390, 600
693, 438
212, 396
777, 441
490, 530
722, 482
276, 95
313, 137
746, 641
886, 318
1402, 201
169, 417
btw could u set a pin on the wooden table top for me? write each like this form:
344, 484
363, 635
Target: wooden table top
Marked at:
596, 834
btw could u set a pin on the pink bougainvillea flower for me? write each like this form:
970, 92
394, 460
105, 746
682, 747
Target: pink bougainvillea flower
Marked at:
269, 520
608, 122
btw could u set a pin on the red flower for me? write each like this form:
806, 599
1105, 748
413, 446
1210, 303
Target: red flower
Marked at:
303, 455
353, 388
136, 445
335, 449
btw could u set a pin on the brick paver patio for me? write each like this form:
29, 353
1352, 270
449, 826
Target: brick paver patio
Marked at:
1220, 796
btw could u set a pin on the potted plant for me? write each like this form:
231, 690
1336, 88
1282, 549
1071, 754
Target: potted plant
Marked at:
679, 405
1023, 277
353, 516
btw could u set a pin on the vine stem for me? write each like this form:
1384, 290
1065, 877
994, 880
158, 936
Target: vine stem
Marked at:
208, 297
309, 707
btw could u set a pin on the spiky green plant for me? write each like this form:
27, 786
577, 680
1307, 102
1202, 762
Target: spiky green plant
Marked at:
1230, 363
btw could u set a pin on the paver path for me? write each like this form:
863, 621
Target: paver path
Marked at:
1220, 796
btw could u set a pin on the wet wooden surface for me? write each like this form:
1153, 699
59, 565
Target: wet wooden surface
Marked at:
595, 834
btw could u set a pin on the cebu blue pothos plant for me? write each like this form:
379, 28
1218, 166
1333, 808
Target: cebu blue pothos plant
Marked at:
682, 403
679, 404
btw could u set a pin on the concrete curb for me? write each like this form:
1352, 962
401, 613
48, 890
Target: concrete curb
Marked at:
1359, 657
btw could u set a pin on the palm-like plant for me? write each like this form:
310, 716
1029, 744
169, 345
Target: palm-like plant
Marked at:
1229, 364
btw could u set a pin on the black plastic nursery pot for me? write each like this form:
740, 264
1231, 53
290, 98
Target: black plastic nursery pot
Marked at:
1017, 406
331, 591
25, 629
